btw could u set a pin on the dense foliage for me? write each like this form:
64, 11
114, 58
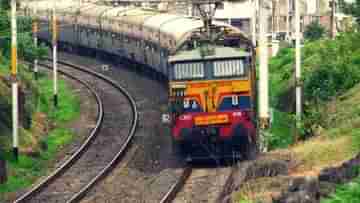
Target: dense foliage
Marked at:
351, 8
314, 31
346, 193
329, 69
37, 105
4, 4
26, 47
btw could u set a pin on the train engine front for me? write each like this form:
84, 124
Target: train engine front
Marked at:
212, 103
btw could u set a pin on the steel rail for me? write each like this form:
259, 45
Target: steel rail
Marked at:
177, 186
77, 154
78, 196
28, 195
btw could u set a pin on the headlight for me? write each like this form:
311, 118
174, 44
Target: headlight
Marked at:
186, 103
235, 100
237, 114
185, 117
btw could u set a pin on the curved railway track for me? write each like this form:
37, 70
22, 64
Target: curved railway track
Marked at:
107, 144
129, 182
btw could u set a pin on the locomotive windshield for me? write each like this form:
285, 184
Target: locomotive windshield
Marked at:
233, 68
228, 68
226, 62
188, 70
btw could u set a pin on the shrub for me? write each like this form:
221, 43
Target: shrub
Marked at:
314, 31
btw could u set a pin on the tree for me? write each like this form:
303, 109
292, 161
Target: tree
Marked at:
4, 4
26, 47
351, 8
314, 31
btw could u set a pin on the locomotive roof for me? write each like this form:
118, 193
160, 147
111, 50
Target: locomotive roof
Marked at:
220, 53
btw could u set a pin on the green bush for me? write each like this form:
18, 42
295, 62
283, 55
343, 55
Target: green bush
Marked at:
282, 126
338, 68
349, 193
329, 69
314, 31
26, 47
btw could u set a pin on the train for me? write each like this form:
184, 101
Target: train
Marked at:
211, 78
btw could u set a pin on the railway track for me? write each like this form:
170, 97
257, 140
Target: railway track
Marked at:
149, 169
177, 186
199, 184
107, 144
134, 182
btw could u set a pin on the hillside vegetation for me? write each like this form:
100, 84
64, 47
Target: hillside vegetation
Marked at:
43, 128
331, 86
330, 68
330, 133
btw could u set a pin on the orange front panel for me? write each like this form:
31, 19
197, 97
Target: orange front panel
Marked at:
209, 92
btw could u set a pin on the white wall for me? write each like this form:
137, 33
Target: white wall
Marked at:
235, 10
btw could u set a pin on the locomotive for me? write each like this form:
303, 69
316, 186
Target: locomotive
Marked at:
211, 77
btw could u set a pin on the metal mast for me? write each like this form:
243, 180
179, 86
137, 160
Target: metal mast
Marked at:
54, 42
263, 77
35, 33
288, 10
14, 84
298, 63
333, 26
254, 22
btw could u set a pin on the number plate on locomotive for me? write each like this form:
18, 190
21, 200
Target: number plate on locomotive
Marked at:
211, 119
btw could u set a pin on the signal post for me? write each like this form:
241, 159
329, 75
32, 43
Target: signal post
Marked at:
264, 118
54, 42
35, 36
263, 71
14, 82
298, 82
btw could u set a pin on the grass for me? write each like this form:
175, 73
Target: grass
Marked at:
348, 193
68, 107
340, 140
337, 140
23, 173
280, 130
320, 152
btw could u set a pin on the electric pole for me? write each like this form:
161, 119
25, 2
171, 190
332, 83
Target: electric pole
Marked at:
287, 19
333, 26
273, 19
35, 33
318, 11
298, 82
263, 72
14, 82
254, 21
54, 42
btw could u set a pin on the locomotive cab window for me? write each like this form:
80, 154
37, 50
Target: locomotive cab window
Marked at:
229, 68
190, 70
